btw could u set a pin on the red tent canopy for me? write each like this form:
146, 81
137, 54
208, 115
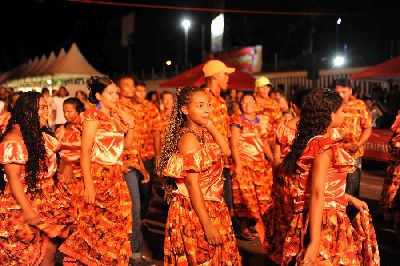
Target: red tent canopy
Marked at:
384, 71
194, 77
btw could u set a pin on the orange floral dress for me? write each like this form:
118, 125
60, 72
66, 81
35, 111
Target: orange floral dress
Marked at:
341, 243
185, 242
270, 108
70, 153
275, 221
102, 231
20, 243
392, 181
252, 189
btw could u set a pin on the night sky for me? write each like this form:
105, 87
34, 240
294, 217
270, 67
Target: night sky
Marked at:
31, 28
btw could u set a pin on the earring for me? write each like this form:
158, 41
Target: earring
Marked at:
99, 106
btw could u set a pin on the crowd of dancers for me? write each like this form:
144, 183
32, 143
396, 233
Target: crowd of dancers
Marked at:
83, 191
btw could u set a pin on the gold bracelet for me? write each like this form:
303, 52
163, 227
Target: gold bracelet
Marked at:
131, 127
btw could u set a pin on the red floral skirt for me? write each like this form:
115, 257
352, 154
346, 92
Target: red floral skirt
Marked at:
341, 243
389, 191
251, 191
101, 235
274, 223
185, 242
22, 244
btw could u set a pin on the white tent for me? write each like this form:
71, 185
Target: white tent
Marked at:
63, 68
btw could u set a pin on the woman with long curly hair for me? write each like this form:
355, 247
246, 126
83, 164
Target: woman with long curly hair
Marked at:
101, 236
320, 232
199, 228
34, 212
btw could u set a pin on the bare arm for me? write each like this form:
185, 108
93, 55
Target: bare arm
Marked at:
188, 142
13, 173
267, 150
219, 139
366, 133
276, 161
89, 130
319, 172
157, 142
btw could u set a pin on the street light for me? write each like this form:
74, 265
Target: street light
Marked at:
338, 61
186, 25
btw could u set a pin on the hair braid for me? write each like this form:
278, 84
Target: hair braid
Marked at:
315, 119
25, 114
170, 143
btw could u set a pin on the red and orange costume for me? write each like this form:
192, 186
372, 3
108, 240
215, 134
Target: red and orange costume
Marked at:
356, 119
20, 243
102, 231
220, 117
252, 189
341, 243
185, 242
70, 153
147, 119
275, 221
392, 181
131, 156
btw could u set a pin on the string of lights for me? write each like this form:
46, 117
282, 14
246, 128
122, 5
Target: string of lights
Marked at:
217, 10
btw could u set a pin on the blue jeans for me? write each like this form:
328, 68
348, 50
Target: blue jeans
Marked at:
132, 180
228, 188
353, 180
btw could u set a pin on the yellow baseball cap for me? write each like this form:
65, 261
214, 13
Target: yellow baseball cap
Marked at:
262, 81
213, 67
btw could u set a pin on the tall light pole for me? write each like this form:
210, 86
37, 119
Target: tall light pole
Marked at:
337, 33
186, 25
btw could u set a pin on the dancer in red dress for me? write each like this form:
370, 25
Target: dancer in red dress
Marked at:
104, 223
320, 232
34, 211
199, 228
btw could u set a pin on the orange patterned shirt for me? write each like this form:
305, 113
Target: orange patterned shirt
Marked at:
220, 117
130, 157
356, 119
164, 124
148, 121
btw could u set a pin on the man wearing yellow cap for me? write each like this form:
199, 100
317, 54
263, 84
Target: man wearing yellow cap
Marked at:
266, 105
216, 74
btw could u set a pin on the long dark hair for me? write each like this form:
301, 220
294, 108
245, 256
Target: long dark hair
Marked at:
315, 117
25, 114
170, 143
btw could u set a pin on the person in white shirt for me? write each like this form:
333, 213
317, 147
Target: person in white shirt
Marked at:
58, 104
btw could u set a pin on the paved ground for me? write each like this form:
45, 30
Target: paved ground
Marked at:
371, 185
